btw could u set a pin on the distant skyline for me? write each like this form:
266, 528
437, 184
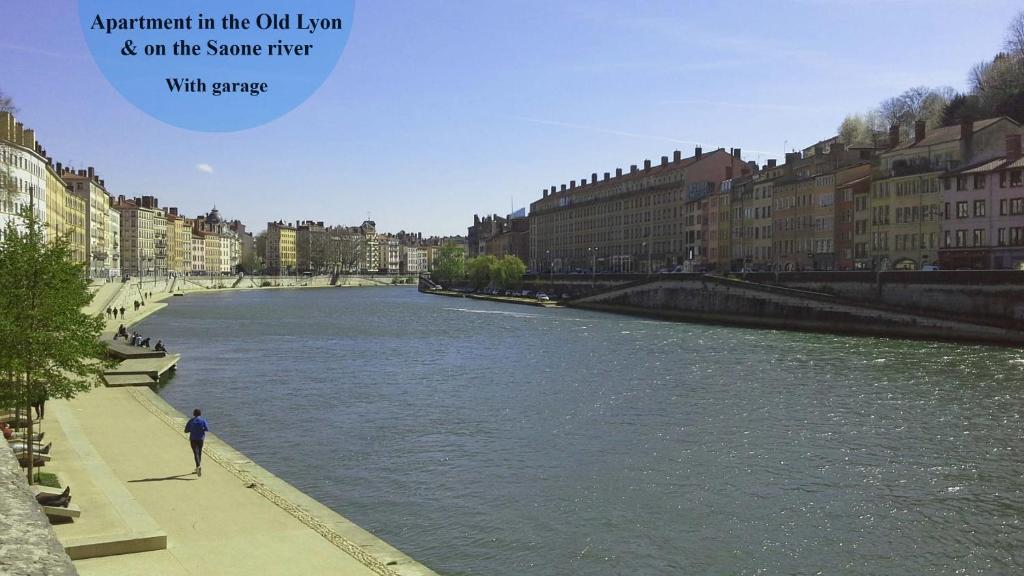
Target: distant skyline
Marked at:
441, 110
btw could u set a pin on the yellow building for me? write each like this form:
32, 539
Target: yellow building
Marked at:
88, 186
908, 201
281, 256
65, 214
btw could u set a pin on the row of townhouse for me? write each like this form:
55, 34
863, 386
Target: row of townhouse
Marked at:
950, 197
310, 247
112, 237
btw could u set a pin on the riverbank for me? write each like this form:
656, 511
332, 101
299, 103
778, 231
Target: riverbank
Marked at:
123, 453
494, 298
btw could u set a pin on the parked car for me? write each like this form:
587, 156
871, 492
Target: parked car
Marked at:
930, 268
542, 297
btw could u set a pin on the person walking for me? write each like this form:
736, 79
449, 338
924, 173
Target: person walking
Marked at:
122, 312
196, 429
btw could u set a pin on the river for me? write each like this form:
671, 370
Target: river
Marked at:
485, 438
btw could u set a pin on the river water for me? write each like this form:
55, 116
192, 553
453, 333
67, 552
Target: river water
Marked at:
484, 438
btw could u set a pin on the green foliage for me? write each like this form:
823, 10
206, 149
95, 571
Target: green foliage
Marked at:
479, 270
509, 272
48, 479
962, 107
449, 265
489, 271
49, 348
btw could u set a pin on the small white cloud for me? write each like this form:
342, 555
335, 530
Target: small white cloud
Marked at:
204, 168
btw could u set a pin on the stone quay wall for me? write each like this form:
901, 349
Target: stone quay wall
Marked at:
28, 546
733, 301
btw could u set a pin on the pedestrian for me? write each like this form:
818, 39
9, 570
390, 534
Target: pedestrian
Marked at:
115, 313
108, 311
39, 402
122, 312
136, 305
196, 429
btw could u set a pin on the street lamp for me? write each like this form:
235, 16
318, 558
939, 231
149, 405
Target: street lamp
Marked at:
593, 264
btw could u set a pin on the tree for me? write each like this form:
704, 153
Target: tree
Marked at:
49, 348
480, 270
449, 265
508, 272
7, 103
1015, 36
962, 107
855, 131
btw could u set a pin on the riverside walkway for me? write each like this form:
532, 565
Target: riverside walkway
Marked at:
235, 519
124, 455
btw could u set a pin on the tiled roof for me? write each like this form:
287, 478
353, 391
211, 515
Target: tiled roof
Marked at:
985, 167
992, 165
946, 134
854, 182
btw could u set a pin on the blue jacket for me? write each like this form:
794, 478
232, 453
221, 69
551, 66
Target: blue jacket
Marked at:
196, 428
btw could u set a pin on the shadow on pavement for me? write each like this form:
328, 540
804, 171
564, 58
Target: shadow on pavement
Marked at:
178, 477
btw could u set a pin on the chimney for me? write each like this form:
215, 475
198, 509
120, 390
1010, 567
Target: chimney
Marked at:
771, 163
563, 187
572, 184
618, 172
677, 156
918, 130
60, 168
697, 152
554, 189
664, 160
1013, 146
544, 193
92, 172
606, 175
966, 129
647, 164
736, 153
593, 178
632, 168
894, 135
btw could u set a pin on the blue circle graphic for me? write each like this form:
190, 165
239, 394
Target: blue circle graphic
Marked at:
226, 76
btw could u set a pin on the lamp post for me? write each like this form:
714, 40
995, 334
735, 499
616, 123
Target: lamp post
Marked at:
593, 264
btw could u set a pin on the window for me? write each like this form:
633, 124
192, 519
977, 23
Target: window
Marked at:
947, 236
979, 181
961, 183
1015, 177
978, 237
1016, 206
1002, 236
961, 210
1003, 205
961, 238
979, 208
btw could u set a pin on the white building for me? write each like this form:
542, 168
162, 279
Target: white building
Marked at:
114, 241
23, 170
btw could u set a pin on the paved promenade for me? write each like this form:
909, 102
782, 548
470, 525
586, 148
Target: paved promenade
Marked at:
123, 452
235, 519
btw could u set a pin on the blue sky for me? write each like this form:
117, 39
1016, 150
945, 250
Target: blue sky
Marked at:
442, 109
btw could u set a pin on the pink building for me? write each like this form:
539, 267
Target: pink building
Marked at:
983, 213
